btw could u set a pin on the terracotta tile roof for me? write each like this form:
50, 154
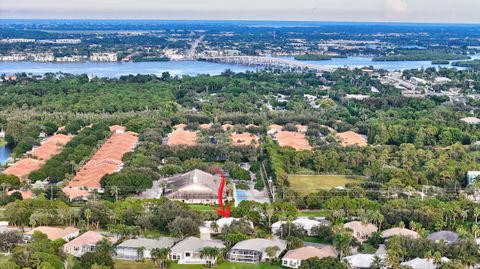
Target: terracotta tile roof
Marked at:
301, 128
227, 127
471, 120
350, 138
244, 139
400, 232
88, 238
181, 137
205, 126
251, 126
25, 194
23, 167
75, 193
117, 128
179, 126
310, 252
275, 128
54, 233
107, 160
361, 230
293, 139
51, 146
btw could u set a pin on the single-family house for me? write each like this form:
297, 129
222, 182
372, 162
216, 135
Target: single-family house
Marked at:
188, 251
53, 233
361, 261
196, 187
444, 236
419, 263
293, 258
471, 120
218, 225
361, 231
306, 223
255, 250
400, 232
139, 248
82, 244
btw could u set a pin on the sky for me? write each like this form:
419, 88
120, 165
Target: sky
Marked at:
451, 11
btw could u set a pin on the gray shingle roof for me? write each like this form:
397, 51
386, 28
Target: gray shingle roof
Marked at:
260, 244
447, 236
147, 243
195, 244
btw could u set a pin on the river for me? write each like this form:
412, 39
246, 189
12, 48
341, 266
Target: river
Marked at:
191, 68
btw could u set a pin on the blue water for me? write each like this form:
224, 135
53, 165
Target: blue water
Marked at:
191, 68
241, 195
390, 66
5, 153
117, 69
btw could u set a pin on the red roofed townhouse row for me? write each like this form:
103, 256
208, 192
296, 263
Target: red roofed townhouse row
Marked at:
182, 137
107, 160
244, 139
293, 139
48, 148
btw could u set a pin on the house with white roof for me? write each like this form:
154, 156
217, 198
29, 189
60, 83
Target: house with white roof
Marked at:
188, 251
217, 226
306, 223
419, 263
360, 261
131, 249
255, 250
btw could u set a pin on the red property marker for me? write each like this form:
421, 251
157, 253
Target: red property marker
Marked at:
222, 211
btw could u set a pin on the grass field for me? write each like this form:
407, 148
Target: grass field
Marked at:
3, 260
306, 184
203, 207
147, 264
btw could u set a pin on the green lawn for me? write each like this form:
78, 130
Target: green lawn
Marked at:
305, 184
123, 264
147, 264
3, 260
203, 207
3, 142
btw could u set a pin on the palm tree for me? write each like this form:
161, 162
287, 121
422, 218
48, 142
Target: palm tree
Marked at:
475, 230
272, 252
377, 263
160, 257
211, 254
214, 227
476, 213
88, 215
140, 253
437, 258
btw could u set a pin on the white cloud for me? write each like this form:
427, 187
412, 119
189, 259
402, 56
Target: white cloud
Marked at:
397, 6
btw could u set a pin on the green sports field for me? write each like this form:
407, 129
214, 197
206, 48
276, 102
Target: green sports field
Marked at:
305, 184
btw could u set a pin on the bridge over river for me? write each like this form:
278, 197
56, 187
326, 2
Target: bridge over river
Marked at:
266, 62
